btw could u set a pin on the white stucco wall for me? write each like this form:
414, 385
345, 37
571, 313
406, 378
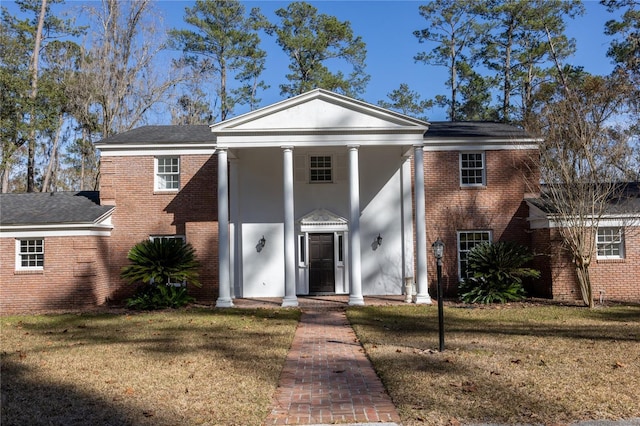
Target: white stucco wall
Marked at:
259, 210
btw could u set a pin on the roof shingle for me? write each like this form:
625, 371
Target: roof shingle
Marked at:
38, 208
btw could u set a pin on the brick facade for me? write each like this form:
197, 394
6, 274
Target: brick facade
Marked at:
75, 275
611, 279
497, 207
128, 183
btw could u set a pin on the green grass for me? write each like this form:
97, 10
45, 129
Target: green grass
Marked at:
183, 367
521, 363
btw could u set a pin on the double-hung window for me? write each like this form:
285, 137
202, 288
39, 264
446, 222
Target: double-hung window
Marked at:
167, 174
466, 241
610, 243
30, 254
472, 169
320, 169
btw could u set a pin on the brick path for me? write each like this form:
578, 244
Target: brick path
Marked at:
327, 378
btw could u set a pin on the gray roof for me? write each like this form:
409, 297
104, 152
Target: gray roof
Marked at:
474, 129
196, 133
37, 208
624, 200
201, 133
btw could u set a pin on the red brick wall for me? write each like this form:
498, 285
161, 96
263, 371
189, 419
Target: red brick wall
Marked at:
75, 275
618, 279
128, 183
498, 206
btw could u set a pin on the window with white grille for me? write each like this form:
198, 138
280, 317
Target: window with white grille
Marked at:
167, 173
30, 254
466, 241
472, 169
610, 243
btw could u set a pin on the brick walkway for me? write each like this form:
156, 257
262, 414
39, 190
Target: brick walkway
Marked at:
327, 378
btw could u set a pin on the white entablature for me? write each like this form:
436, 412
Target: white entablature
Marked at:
319, 118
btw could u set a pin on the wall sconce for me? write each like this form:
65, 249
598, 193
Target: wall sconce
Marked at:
261, 243
379, 240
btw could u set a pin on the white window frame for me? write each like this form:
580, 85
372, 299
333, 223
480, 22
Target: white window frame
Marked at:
483, 168
331, 167
610, 237
39, 254
160, 184
463, 253
302, 250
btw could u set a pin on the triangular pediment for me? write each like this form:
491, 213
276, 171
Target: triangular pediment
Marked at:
322, 218
315, 115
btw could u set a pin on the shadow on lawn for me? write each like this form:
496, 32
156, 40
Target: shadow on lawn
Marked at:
66, 405
579, 324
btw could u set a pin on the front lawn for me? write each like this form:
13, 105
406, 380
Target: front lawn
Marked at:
188, 367
521, 363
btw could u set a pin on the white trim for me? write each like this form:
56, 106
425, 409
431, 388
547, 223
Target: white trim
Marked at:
327, 96
101, 228
156, 173
18, 257
538, 219
322, 220
479, 145
621, 244
369, 138
125, 150
484, 169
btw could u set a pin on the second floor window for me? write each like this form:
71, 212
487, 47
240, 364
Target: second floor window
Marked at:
320, 169
472, 169
167, 173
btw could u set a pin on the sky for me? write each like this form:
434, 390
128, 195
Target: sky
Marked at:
387, 29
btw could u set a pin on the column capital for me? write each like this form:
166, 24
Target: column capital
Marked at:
353, 146
287, 147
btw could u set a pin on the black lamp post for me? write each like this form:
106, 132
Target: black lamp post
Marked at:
438, 251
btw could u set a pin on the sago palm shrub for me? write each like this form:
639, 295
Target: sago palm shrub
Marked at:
495, 273
155, 266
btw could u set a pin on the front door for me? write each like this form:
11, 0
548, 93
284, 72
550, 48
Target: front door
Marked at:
321, 264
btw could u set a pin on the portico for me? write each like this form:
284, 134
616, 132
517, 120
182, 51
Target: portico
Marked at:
314, 180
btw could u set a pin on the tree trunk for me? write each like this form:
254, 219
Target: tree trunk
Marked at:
585, 284
31, 159
53, 159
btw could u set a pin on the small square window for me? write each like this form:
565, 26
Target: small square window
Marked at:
167, 173
30, 254
472, 169
320, 169
610, 243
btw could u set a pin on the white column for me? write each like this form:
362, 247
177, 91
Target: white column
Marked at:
224, 281
355, 269
407, 222
422, 295
290, 298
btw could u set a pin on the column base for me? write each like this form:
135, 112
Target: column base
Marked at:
356, 300
423, 299
289, 302
224, 303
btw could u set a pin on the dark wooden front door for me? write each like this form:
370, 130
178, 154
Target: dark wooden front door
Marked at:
321, 268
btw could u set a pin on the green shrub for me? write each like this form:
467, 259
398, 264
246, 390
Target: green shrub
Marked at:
495, 273
149, 297
155, 265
